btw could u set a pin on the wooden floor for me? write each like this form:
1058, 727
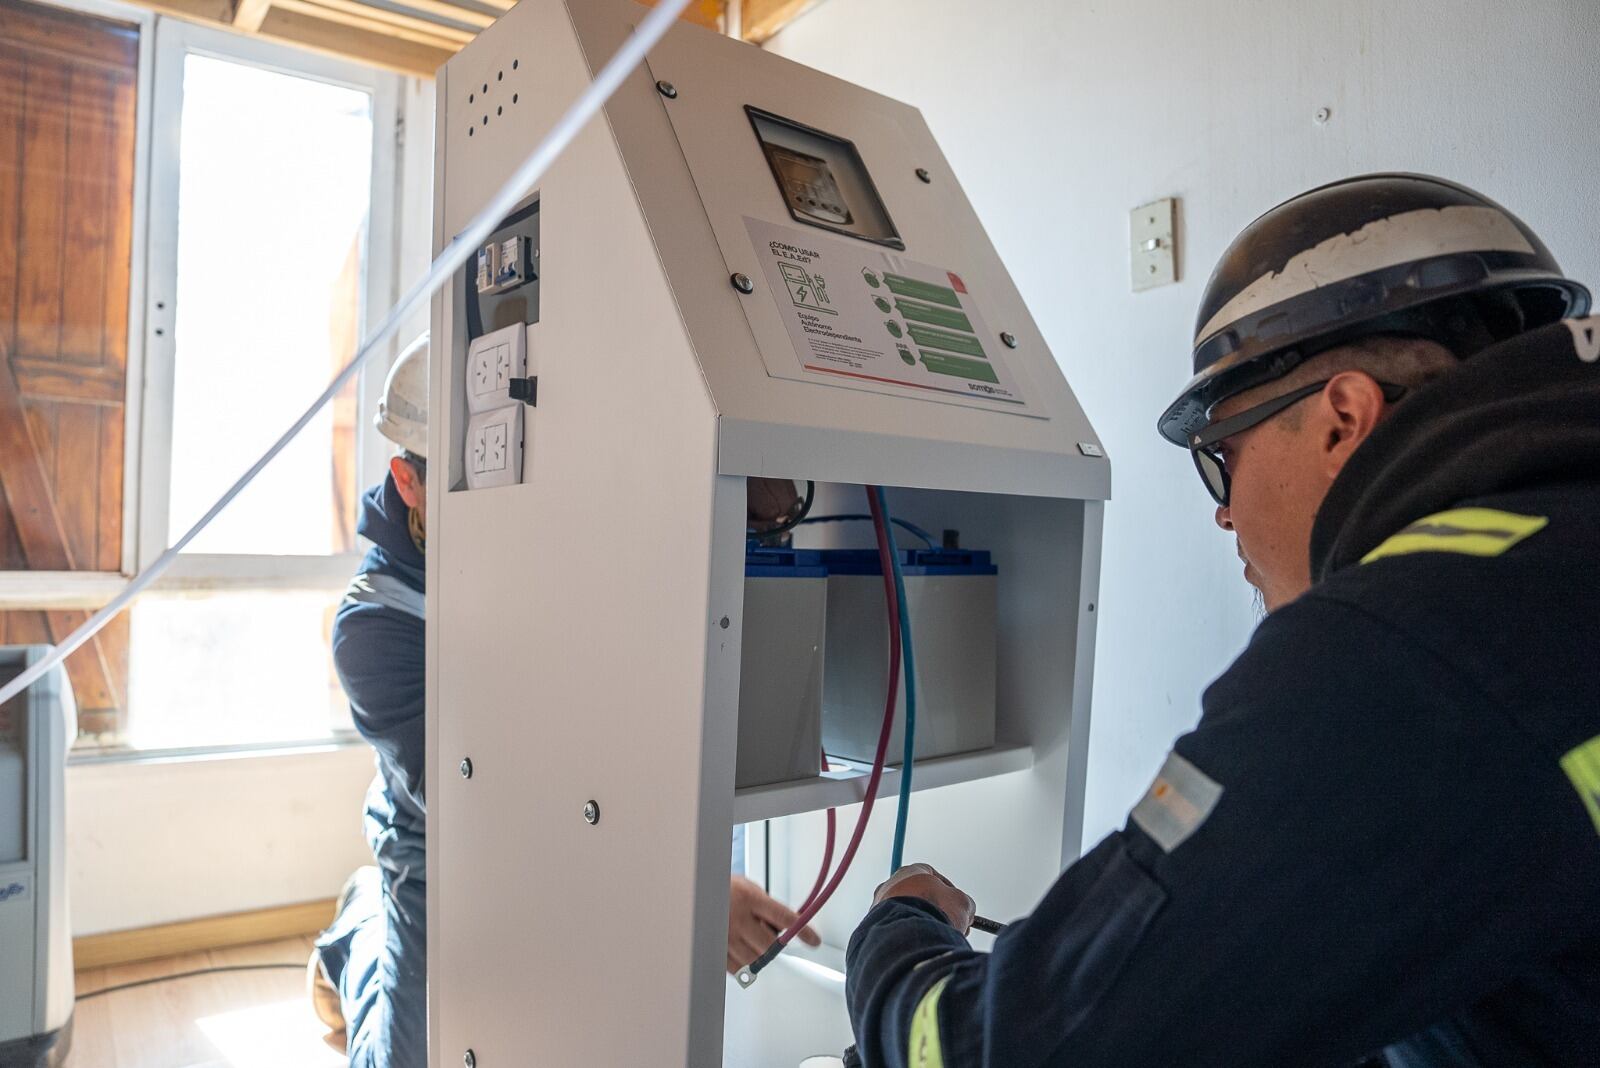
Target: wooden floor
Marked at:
259, 1019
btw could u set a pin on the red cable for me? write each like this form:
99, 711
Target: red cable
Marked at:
814, 905
827, 858
828, 852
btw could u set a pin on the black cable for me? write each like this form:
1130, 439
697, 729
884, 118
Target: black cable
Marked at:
902, 523
793, 521
190, 975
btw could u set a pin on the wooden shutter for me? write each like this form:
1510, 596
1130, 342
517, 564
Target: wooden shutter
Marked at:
67, 128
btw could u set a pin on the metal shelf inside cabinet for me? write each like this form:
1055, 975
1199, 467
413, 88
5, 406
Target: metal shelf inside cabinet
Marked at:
846, 782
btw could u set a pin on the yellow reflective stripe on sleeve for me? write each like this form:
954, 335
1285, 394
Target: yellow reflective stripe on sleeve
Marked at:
924, 1051
1582, 766
1469, 531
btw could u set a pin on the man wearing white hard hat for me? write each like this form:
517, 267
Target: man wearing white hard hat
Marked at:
368, 975
369, 971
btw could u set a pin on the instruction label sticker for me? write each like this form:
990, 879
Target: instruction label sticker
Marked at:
865, 316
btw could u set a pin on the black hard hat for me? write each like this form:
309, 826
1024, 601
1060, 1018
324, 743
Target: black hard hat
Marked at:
1378, 254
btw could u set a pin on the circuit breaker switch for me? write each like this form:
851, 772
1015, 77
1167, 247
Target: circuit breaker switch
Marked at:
504, 265
488, 267
514, 266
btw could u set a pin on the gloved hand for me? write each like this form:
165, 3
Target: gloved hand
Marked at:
921, 880
755, 918
769, 501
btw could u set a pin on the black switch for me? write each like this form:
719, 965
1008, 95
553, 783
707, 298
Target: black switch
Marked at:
525, 390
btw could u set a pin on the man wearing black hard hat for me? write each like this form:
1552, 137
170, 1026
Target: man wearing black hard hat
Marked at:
1381, 845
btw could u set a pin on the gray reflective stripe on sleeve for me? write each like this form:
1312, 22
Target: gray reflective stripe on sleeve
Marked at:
1177, 803
370, 588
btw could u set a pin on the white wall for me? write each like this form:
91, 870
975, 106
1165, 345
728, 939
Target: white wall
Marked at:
1061, 116
151, 843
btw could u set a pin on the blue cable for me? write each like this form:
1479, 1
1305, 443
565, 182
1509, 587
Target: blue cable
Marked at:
910, 674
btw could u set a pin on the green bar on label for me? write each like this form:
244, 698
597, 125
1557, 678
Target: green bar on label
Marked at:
958, 366
901, 286
927, 313
943, 339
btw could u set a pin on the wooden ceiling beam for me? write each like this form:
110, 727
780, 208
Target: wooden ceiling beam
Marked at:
707, 13
212, 11
248, 15
443, 9
760, 19
362, 16
367, 24
412, 42
323, 35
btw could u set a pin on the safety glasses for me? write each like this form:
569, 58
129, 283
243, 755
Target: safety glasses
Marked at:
1203, 445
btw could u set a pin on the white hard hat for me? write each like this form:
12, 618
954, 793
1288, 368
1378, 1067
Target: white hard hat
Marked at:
403, 412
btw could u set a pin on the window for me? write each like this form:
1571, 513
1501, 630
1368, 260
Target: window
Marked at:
233, 668
274, 194
194, 227
264, 262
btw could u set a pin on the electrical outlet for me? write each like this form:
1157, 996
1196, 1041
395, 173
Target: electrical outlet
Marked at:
494, 448
489, 449
492, 362
491, 369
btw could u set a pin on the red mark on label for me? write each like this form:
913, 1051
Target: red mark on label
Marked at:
956, 283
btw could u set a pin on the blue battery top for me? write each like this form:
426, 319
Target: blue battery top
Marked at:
820, 563
783, 563
914, 563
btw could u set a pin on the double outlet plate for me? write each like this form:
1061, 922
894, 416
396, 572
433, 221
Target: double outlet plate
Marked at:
495, 424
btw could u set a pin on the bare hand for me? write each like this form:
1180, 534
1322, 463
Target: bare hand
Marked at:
755, 918
920, 880
769, 501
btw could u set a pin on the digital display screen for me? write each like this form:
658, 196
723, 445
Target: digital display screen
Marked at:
823, 180
810, 187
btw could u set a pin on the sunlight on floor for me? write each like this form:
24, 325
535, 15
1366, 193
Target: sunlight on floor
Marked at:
268, 1036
